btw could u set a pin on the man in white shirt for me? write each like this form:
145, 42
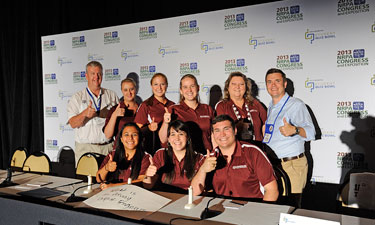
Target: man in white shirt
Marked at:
87, 111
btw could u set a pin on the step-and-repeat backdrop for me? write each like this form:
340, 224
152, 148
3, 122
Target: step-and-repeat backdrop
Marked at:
326, 48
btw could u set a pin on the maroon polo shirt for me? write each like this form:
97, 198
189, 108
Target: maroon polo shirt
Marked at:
121, 121
125, 174
257, 111
154, 108
241, 176
178, 181
201, 116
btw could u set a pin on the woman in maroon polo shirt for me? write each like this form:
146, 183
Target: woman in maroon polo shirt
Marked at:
176, 164
150, 113
127, 161
198, 116
245, 110
123, 112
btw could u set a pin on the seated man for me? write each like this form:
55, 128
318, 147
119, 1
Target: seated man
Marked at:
245, 167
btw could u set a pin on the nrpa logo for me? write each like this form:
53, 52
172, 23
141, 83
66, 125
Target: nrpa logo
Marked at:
240, 62
358, 53
294, 9
193, 66
358, 105
240, 17
294, 58
192, 23
359, 2
151, 29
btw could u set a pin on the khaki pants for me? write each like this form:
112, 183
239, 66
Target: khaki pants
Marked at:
82, 148
297, 172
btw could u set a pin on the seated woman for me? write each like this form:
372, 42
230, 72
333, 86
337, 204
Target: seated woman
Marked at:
127, 161
176, 164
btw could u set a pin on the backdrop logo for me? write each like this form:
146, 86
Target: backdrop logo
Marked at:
260, 41
147, 71
349, 58
288, 14
64, 95
289, 62
188, 27
78, 42
147, 33
347, 7
94, 57
373, 28
316, 84
79, 77
211, 46
234, 65
49, 45
63, 60
128, 54
167, 50
318, 35
65, 127
111, 37
373, 80
345, 108
51, 144
235, 21
51, 111
348, 160
189, 68
328, 134
112, 74
50, 78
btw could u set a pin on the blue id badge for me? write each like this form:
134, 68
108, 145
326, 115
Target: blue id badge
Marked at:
268, 133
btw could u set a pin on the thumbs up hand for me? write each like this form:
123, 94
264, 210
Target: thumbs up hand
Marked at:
119, 111
209, 163
153, 126
167, 116
287, 129
90, 111
151, 170
111, 165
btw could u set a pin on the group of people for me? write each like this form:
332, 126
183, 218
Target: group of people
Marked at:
189, 143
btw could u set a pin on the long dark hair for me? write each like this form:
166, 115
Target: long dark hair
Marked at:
190, 156
120, 157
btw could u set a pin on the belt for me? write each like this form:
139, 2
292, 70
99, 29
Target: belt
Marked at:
292, 158
105, 143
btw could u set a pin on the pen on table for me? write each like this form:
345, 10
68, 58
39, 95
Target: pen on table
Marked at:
46, 184
238, 203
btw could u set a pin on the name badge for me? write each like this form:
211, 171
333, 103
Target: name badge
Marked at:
268, 133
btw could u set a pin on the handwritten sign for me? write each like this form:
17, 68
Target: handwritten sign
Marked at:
127, 197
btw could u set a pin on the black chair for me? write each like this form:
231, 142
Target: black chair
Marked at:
283, 184
65, 166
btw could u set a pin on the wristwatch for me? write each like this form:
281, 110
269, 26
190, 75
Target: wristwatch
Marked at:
297, 131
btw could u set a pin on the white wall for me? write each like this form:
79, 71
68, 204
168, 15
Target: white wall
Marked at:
309, 40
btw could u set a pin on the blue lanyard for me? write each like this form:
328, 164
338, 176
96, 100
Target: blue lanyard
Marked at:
97, 107
279, 111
